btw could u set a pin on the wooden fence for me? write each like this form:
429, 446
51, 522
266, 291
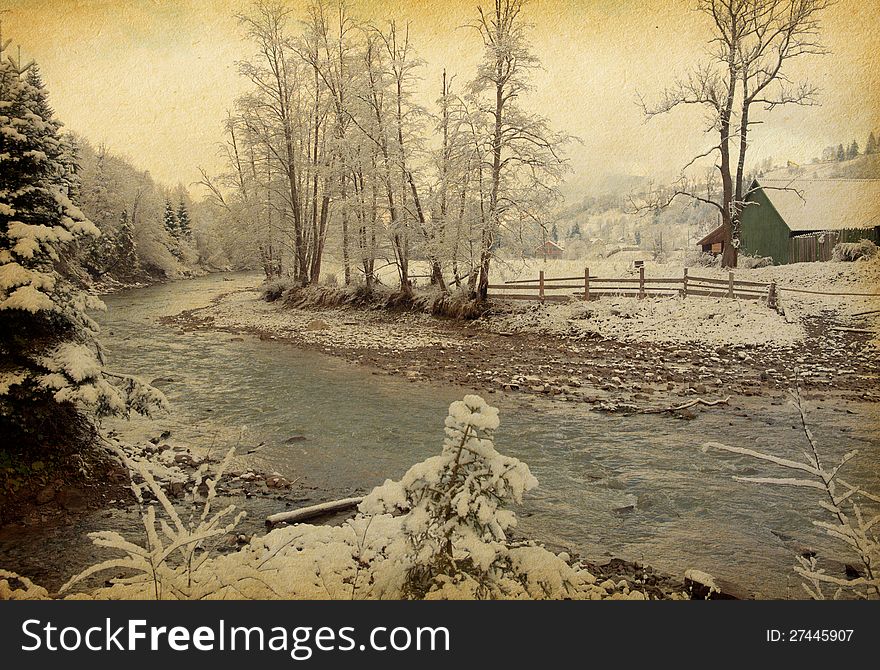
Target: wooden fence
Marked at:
589, 287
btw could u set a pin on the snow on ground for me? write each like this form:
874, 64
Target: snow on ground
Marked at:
710, 321
246, 311
705, 320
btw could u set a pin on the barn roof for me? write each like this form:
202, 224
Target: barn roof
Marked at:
824, 204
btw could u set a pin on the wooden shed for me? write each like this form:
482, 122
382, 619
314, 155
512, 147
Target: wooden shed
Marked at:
796, 220
713, 243
549, 249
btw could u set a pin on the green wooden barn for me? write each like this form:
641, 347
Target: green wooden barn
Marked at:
797, 220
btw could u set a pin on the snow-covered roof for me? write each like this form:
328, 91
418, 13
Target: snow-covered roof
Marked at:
714, 237
825, 204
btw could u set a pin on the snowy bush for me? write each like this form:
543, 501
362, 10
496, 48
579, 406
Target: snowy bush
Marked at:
439, 532
746, 262
854, 251
456, 521
701, 259
175, 548
15, 587
273, 289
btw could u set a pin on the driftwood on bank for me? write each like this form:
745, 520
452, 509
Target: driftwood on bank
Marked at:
686, 405
850, 330
312, 511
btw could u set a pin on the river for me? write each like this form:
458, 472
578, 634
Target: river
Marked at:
635, 487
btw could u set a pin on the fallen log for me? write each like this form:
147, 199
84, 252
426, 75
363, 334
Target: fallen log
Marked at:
849, 330
312, 511
686, 405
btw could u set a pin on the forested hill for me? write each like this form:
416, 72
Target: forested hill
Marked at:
863, 166
149, 232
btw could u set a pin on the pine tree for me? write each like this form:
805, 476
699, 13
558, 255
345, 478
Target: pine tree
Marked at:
127, 264
853, 150
841, 153
554, 233
52, 381
184, 231
575, 231
871, 146
170, 220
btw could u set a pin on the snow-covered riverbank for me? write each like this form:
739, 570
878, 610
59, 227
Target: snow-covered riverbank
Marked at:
611, 352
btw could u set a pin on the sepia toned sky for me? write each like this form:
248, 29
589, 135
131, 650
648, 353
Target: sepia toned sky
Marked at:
152, 78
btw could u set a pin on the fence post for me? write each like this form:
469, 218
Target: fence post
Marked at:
685, 283
586, 284
771, 295
730, 285
541, 285
642, 281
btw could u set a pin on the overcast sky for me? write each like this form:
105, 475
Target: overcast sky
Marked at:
152, 78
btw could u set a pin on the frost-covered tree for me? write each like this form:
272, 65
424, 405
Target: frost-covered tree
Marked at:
170, 219
524, 163
126, 254
184, 228
746, 68
52, 380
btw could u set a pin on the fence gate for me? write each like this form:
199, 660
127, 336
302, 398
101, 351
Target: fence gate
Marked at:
815, 247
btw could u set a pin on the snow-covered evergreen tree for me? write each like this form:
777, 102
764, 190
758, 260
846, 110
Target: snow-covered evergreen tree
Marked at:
126, 262
52, 381
184, 230
170, 219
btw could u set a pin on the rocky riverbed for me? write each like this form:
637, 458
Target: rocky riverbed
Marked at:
609, 374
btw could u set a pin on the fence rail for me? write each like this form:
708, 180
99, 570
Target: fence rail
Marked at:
589, 287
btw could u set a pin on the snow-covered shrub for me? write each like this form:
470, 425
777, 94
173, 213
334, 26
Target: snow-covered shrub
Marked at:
747, 262
701, 259
854, 514
456, 519
15, 587
52, 379
854, 251
175, 547
273, 289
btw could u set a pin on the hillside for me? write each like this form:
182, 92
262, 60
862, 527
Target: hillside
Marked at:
860, 167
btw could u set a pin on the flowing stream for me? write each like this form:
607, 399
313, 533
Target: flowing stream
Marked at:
635, 487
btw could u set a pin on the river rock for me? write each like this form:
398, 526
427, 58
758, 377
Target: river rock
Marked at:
45, 494
73, 500
277, 482
317, 324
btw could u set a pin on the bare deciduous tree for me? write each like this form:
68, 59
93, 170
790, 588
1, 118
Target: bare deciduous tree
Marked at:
752, 40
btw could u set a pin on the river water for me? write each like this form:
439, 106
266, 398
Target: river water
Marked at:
635, 487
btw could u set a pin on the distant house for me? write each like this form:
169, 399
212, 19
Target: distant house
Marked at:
549, 250
797, 220
713, 243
